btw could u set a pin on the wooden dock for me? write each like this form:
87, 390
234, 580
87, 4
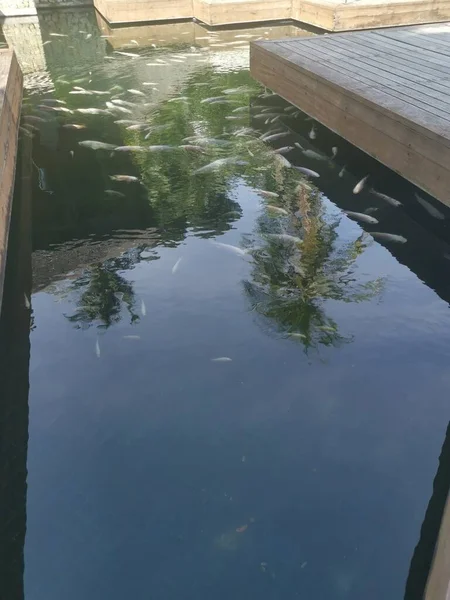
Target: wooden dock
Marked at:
331, 15
386, 91
10, 106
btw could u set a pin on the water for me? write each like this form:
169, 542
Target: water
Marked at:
300, 467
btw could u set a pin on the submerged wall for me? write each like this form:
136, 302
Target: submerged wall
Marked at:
16, 8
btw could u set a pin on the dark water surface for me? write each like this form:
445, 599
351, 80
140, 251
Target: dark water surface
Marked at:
302, 463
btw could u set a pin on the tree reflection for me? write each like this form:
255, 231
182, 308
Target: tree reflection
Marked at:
103, 295
294, 277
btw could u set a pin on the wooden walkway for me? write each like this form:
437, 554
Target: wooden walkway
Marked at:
332, 15
386, 91
10, 106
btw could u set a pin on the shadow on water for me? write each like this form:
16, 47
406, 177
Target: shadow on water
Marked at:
14, 382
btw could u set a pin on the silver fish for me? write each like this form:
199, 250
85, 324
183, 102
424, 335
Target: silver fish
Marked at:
307, 172
131, 149
230, 248
285, 237
334, 151
131, 337
388, 199
123, 102
127, 122
52, 101
314, 155
59, 34
431, 210
361, 217
94, 145
93, 111
284, 150
136, 92
213, 99
299, 146
282, 160
143, 308
370, 210
124, 178
275, 136
114, 194
27, 302
97, 349
217, 164
277, 209
388, 237
138, 127
132, 54
116, 108
73, 126
221, 359
81, 92
312, 133
266, 194
240, 109
176, 265
360, 185
342, 172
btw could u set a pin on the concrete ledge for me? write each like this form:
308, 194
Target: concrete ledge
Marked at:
331, 15
11, 82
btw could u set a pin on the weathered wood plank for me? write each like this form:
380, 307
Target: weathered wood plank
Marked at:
382, 105
10, 106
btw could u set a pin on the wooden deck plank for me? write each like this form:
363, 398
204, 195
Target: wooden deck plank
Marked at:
389, 86
387, 92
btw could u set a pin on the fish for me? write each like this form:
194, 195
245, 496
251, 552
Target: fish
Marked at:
431, 210
222, 359
124, 178
334, 151
127, 122
241, 529
34, 119
216, 164
131, 337
230, 248
312, 133
365, 218
114, 194
342, 172
149, 83
370, 210
94, 145
277, 209
72, 153
123, 102
296, 335
267, 194
97, 349
74, 126
313, 154
81, 92
143, 308
388, 237
116, 108
59, 34
240, 109
136, 92
130, 149
134, 42
283, 161
275, 136
176, 265
360, 185
388, 199
138, 127
27, 302
93, 111
285, 237
88, 36
154, 65
283, 150
47, 42
308, 172
192, 148
52, 101
131, 54
179, 99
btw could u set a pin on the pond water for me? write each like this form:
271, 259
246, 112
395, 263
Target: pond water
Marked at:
235, 390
